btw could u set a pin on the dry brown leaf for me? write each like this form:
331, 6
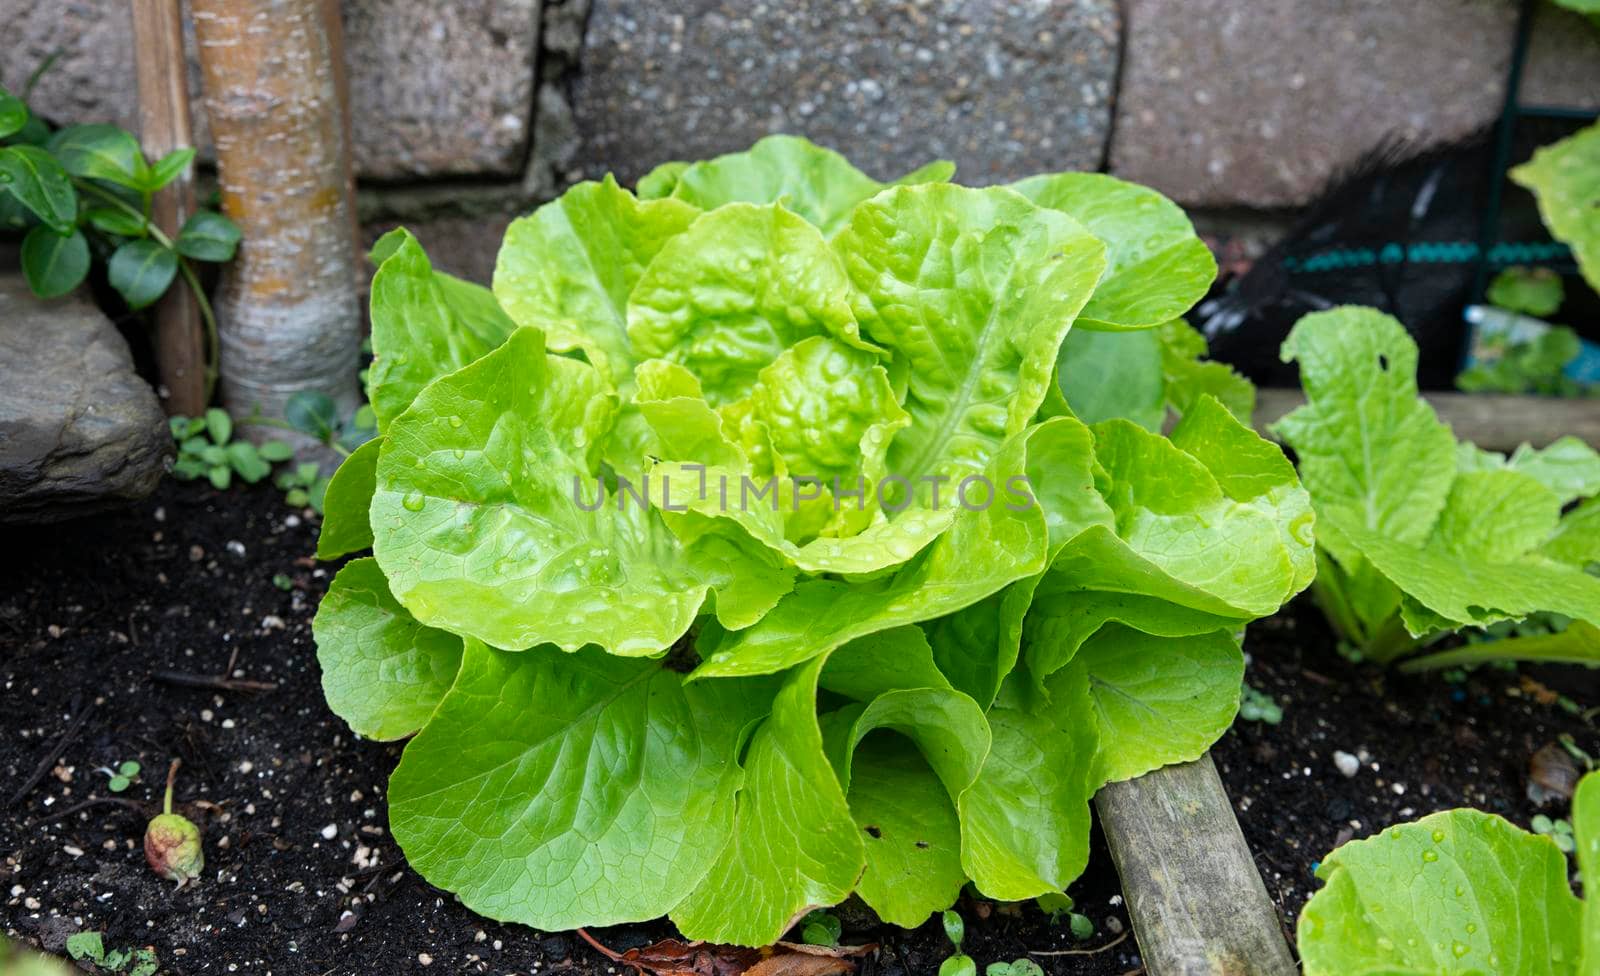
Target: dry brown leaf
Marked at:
674, 957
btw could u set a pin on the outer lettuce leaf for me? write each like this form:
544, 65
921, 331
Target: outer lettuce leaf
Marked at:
792, 845
479, 529
902, 881
1189, 380
558, 790
1025, 822
569, 267
1372, 453
972, 292
1158, 268
1158, 700
425, 323
382, 672
1565, 177
735, 290
1107, 375
345, 525
884, 661
816, 183
1586, 832
1453, 894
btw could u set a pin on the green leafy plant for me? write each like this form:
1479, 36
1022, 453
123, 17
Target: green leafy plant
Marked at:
1457, 893
821, 928
1258, 706
206, 449
122, 777
86, 191
1559, 831
1019, 967
1565, 178
1536, 365
1527, 291
958, 963
1421, 536
895, 678
89, 947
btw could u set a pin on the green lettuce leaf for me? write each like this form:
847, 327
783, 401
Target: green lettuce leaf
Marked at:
482, 518
1157, 268
1565, 177
816, 183
1158, 700
1107, 375
345, 525
569, 267
972, 292
382, 672
1586, 834
1576, 539
1025, 822
731, 293
1458, 893
791, 802
610, 785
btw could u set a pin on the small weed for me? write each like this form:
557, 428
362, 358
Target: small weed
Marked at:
206, 449
90, 947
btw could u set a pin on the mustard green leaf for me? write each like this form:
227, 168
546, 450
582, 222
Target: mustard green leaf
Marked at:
1576, 539
1459, 893
1371, 451
1565, 177
382, 672
558, 790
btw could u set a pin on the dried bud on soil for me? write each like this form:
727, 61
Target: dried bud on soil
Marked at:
172, 843
172, 846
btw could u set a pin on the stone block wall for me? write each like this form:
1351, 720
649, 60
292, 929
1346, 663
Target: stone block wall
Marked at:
467, 111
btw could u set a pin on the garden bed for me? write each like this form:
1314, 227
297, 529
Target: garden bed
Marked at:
92, 610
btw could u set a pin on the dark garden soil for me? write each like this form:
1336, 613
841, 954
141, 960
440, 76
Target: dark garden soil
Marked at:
302, 878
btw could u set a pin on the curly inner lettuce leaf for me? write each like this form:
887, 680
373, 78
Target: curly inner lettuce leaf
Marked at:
611, 785
981, 552
1157, 267
1565, 177
1158, 700
1190, 380
792, 845
345, 525
1453, 894
816, 183
1114, 374
425, 323
487, 519
732, 292
382, 672
972, 292
569, 267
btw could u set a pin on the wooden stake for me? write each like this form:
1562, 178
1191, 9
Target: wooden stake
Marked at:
1195, 897
288, 306
163, 127
1495, 422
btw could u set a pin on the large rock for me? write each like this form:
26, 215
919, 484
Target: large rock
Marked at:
1003, 88
436, 88
79, 430
1258, 104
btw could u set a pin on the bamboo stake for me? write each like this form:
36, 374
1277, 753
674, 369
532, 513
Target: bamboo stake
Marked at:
288, 306
1197, 902
164, 126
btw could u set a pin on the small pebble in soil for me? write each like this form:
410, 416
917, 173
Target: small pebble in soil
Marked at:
1348, 764
424, 958
330, 832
